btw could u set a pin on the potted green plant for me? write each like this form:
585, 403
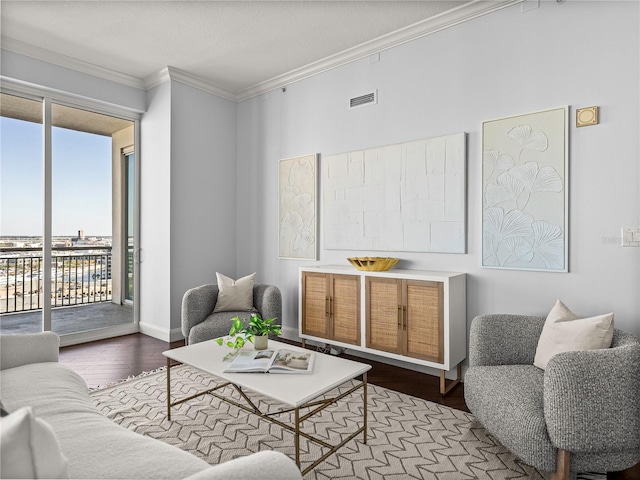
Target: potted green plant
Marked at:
257, 332
261, 328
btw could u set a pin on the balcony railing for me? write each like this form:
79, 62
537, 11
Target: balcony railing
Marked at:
76, 278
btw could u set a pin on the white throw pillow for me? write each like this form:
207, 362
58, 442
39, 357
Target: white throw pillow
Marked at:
564, 331
30, 448
235, 295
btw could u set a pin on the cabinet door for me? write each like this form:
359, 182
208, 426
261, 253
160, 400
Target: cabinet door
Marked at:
344, 307
384, 314
423, 326
315, 304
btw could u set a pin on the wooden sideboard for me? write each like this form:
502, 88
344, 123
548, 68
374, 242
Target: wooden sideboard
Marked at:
413, 316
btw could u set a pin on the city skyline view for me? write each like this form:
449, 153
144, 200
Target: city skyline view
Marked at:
81, 173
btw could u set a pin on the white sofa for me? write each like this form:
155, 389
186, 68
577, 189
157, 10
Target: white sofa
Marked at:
91, 445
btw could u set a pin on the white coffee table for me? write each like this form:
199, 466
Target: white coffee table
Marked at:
298, 391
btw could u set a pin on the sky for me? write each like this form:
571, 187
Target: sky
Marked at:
81, 174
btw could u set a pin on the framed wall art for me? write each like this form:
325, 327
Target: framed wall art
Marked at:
525, 174
298, 206
408, 197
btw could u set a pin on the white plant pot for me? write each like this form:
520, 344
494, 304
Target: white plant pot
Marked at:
261, 342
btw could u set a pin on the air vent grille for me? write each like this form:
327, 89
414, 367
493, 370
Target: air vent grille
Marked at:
362, 100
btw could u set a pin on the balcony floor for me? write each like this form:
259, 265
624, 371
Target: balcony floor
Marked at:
66, 320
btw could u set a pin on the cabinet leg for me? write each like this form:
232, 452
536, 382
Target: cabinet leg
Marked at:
444, 389
304, 342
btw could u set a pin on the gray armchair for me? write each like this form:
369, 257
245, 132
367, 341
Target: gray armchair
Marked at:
581, 414
200, 323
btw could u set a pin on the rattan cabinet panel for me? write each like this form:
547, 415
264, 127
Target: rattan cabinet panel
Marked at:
345, 308
331, 306
423, 332
405, 317
384, 314
315, 304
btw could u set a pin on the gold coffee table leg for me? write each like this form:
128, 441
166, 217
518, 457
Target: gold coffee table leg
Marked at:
297, 436
364, 399
168, 389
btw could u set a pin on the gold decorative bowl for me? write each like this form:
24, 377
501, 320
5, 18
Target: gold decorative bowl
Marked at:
373, 264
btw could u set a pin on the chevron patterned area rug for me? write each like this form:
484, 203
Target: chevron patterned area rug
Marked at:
408, 437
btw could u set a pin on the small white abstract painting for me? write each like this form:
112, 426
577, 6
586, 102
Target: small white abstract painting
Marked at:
525, 195
409, 197
298, 179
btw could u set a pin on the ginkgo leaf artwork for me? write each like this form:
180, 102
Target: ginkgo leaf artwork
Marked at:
529, 138
494, 161
524, 191
298, 207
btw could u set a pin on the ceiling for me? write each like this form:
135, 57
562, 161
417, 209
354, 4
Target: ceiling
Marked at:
236, 46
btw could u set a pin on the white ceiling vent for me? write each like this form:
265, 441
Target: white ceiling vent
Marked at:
362, 100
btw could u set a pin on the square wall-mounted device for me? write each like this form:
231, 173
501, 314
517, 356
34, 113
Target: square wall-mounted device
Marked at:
586, 116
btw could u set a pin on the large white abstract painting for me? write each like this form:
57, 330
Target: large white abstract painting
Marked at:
298, 180
525, 194
409, 197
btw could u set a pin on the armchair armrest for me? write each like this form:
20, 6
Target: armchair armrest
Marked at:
268, 301
197, 304
591, 399
23, 349
503, 339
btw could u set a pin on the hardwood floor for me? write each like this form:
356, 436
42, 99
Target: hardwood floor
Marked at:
107, 361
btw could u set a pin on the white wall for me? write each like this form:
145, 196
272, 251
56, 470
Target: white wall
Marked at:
203, 185
155, 221
507, 63
188, 209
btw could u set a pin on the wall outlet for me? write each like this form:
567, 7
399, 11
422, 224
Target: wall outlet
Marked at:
631, 236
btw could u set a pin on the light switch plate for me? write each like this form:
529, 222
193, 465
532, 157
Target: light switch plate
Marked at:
631, 236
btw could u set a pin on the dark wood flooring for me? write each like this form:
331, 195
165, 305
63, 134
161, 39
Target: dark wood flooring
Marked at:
107, 361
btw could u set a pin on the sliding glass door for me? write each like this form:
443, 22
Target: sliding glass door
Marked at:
84, 278
21, 202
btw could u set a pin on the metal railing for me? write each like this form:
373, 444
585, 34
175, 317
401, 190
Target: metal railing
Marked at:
76, 278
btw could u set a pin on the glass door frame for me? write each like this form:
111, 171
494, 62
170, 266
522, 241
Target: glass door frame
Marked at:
126, 152
48, 98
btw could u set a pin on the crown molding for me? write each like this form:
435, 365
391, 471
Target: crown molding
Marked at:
177, 75
65, 61
196, 82
456, 16
448, 19
155, 79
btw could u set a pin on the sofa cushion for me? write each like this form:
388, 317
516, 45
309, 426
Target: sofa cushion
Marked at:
29, 448
235, 295
22, 348
508, 401
94, 445
564, 331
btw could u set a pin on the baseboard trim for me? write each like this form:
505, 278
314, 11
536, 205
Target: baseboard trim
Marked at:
173, 335
100, 334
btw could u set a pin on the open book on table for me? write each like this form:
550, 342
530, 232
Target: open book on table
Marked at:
272, 361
